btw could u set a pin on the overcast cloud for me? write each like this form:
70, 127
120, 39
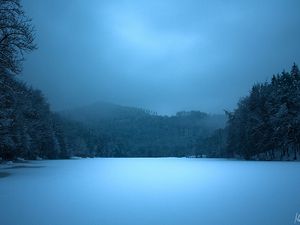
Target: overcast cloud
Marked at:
166, 55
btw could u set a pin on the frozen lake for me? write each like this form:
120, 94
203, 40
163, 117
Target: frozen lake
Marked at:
163, 191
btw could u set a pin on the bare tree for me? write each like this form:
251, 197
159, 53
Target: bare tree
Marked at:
16, 36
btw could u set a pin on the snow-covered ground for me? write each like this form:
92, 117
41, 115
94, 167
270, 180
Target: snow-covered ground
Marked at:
166, 191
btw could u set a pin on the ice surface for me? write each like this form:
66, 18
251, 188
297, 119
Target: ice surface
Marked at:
163, 191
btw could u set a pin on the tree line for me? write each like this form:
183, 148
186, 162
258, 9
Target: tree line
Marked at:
266, 123
30, 130
133, 132
264, 126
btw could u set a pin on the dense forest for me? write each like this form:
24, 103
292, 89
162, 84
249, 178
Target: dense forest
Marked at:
137, 132
265, 124
30, 130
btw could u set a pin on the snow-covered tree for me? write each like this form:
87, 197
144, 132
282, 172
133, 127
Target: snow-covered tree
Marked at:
268, 119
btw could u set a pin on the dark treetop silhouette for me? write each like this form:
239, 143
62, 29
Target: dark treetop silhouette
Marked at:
16, 35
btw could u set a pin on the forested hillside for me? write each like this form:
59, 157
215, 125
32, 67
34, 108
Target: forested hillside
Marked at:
266, 124
30, 130
137, 132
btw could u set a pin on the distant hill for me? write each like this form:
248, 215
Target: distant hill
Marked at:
102, 111
138, 132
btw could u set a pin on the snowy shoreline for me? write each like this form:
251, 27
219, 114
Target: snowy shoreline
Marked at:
263, 157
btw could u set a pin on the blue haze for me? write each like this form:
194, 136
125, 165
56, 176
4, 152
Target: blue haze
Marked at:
162, 55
